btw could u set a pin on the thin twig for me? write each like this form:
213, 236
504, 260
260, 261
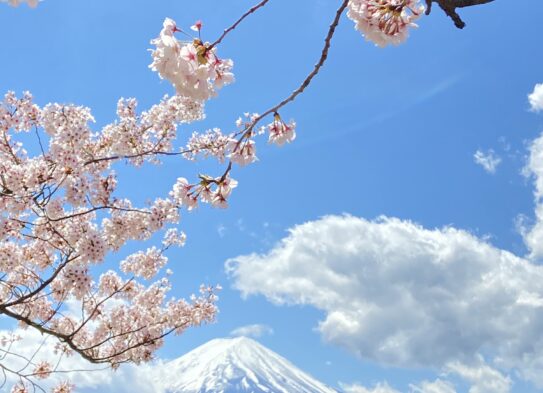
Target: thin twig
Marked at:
248, 131
316, 69
245, 15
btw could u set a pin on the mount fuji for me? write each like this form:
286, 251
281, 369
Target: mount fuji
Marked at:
236, 365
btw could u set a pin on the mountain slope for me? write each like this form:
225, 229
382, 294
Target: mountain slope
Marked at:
236, 365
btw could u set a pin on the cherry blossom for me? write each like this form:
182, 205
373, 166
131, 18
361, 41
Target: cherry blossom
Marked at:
61, 216
146, 264
384, 21
197, 26
211, 143
173, 237
243, 152
20, 388
43, 370
193, 67
64, 387
281, 132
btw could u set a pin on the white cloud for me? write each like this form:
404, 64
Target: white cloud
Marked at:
381, 387
437, 386
221, 230
489, 160
256, 330
240, 224
533, 236
536, 98
483, 379
397, 293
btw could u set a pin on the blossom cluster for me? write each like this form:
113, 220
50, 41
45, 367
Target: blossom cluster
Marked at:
60, 217
239, 146
215, 191
385, 21
192, 67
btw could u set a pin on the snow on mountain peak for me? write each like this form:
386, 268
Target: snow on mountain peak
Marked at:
232, 365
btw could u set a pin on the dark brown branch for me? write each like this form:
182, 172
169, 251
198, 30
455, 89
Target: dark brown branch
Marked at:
450, 6
137, 155
41, 287
83, 213
63, 337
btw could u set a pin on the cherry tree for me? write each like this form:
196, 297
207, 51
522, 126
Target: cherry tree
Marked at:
60, 215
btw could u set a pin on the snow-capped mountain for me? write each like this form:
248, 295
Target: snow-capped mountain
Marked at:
236, 365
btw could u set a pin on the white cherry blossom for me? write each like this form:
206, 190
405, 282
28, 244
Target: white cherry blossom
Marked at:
385, 22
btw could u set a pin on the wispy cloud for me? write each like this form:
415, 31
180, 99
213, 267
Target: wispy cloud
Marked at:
438, 88
255, 330
412, 102
488, 159
221, 230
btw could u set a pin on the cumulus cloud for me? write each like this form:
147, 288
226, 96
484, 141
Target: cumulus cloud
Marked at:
399, 294
256, 330
536, 98
489, 160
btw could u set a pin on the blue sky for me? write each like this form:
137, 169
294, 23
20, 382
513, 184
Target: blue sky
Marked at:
380, 132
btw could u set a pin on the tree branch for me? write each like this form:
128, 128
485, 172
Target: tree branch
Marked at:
450, 6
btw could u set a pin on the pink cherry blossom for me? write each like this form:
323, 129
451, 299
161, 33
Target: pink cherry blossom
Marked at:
281, 132
193, 68
197, 26
43, 370
243, 152
146, 264
64, 387
61, 216
173, 237
19, 388
385, 21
